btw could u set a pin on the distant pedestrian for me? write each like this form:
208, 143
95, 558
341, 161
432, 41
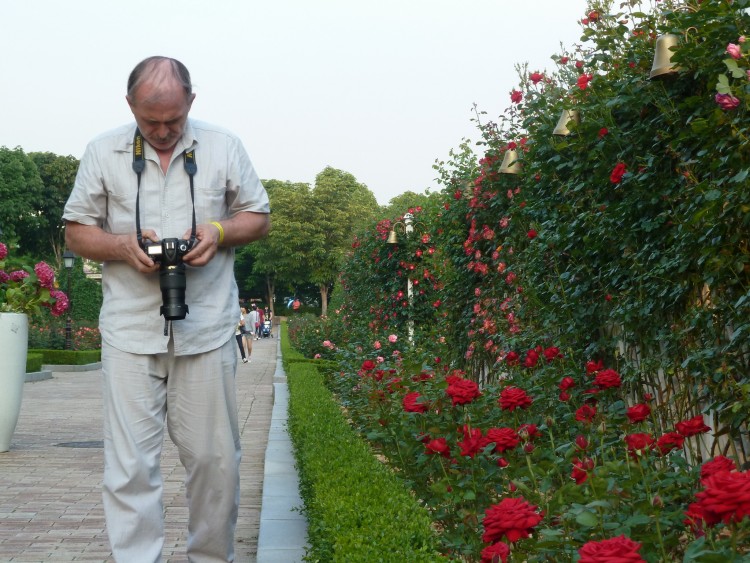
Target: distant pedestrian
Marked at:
254, 321
238, 336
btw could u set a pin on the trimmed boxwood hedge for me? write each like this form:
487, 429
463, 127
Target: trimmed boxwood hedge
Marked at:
357, 509
36, 358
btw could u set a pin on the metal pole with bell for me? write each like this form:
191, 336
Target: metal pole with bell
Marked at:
69, 259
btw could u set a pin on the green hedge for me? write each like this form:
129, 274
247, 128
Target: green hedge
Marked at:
67, 357
357, 509
34, 361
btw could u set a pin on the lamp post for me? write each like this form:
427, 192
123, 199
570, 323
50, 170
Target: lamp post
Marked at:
408, 226
69, 259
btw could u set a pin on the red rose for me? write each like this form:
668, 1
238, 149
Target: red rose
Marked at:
552, 353
581, 442
607, 378
531, 234
639, 442
593, 367
615, 550
462, 391
586, 414
512, 398
512, 359
581, 469
717, 465
496, 553
583, 80
726, 497
603, 132
473, 441
513, 518
516, 96
617, 173
531, 359
692, 426
536, 77
670, 441
410, 403
567, 383
528, 431
504, 438
638, 413
368, 365
438, 446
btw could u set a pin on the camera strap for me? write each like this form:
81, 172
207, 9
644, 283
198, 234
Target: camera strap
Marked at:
139, 165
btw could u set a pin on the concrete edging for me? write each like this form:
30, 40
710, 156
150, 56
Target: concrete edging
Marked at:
47, 369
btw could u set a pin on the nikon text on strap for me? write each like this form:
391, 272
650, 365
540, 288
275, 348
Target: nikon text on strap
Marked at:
139, 165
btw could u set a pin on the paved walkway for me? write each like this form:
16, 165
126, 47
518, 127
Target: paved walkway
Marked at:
50, 480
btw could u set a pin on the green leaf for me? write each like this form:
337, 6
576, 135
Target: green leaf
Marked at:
587, 518
722, 86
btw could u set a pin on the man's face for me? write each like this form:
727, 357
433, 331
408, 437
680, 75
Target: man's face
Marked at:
161, 113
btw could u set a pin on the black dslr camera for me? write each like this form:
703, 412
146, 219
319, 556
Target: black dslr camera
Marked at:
168, 253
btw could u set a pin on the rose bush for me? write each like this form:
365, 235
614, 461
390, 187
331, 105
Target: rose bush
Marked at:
621, 248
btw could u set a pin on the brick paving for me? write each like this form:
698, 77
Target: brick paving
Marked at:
50, 480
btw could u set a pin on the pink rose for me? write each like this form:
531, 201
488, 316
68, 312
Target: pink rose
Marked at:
377, 345
735, 51
392, 338
727, 101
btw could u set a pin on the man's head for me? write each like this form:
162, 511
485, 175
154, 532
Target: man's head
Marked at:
160, 95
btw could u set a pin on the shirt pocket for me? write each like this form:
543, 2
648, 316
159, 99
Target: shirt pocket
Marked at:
210, 200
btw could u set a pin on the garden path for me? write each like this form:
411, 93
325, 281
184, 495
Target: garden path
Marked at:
50, 480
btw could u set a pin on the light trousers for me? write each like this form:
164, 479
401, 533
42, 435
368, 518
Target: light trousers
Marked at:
196, 396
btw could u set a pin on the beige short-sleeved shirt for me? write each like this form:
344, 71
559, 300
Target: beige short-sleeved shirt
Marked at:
104, 195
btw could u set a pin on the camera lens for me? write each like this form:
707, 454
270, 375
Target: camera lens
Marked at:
173, 283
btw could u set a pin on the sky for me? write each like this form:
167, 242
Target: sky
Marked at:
378, 88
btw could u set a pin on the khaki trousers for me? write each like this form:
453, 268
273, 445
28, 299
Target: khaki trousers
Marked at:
196, 396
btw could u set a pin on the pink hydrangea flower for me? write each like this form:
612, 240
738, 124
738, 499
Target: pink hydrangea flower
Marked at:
3, 251
61, 302
45, 275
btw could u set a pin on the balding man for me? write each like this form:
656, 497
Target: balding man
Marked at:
161, 203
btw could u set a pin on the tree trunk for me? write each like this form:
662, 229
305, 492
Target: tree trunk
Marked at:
323, 299
270, 290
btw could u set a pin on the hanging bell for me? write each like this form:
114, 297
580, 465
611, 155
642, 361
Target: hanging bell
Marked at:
510, 164
392, 238
566, 117
663, 66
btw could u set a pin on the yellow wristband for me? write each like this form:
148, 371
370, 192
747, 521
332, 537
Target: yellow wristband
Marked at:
221, 230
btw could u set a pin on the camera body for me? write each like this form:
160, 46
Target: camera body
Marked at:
168, 253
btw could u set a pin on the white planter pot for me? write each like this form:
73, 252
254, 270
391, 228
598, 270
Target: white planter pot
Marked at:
14, 339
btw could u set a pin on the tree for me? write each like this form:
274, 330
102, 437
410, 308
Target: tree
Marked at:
58, 174
21, 193
343, 206
295, 241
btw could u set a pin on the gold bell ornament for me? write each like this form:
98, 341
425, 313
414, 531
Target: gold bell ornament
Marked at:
510, 164
663, 66
566, 117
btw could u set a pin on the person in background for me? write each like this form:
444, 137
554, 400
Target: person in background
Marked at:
247, 333
254, 321
261, 318
269, 317
238, 336
177, 373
